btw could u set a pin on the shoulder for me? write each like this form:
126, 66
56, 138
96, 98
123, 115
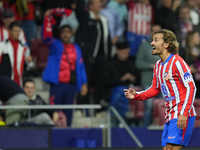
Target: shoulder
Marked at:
102, 17
157, 63
112, 3
178, 58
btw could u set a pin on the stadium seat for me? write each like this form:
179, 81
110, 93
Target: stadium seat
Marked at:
137, 107
161, 113
156, 102
40, 52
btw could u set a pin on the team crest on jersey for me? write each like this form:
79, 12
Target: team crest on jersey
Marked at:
166, 76
187, 77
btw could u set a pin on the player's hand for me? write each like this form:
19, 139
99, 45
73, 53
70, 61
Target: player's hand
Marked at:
129, 93
181, 124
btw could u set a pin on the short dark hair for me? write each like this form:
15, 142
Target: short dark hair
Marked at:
64, 26
169, 37
28, 79
122, 45
153, 25
14, 24
183, 7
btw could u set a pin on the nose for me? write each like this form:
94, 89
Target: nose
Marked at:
152, 42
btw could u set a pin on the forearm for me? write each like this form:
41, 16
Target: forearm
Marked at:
190, 96
147, 94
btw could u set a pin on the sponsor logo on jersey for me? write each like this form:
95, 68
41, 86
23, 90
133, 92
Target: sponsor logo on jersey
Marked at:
164, 90
187, 77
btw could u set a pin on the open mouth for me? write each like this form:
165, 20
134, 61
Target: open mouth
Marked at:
153, 47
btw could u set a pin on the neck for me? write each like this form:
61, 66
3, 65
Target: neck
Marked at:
164, 56
13, 39
66, 42
96, 14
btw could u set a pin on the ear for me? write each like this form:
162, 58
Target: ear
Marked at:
166, 45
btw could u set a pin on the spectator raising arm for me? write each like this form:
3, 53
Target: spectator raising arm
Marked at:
49, 21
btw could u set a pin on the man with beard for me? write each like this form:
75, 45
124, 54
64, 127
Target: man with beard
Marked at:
172, 76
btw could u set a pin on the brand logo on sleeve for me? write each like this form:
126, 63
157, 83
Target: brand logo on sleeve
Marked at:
187, 77
171, 137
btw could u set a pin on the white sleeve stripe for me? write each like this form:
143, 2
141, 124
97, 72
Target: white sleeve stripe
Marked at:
179, 67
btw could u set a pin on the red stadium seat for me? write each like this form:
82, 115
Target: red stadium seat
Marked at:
161, 113
40, 52
156, 103
137, 107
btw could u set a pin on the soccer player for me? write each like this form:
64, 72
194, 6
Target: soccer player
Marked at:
172, 76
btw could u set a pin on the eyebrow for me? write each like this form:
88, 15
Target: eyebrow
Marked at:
157, 38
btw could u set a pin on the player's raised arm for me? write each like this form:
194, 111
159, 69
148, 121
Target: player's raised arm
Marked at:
152, 91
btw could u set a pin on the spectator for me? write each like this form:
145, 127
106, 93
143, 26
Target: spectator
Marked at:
138, 23
182, 25
116, 27
38, 116
7, 18
162, 14
71, 20
24, 12
192, 56
17, 52
192, 50
145, 63
114, 23
194, 14
65, 69
121, 8
3, 5
93, 37
12, 94
50, 4
119, 73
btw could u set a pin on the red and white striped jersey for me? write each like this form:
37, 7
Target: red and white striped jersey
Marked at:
140, 16
4, 35
175, 81
17, 56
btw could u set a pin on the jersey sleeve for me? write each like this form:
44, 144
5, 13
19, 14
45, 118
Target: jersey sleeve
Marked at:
184, 73
152, 91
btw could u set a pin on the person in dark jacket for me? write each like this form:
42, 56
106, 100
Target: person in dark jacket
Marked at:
65, 70
93, 37
38, 116
163, 13
181, 25
12, 94
119, 72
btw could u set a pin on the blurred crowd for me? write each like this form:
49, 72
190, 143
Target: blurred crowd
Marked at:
96, 49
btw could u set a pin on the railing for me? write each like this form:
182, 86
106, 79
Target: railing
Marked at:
110, 109
29, 107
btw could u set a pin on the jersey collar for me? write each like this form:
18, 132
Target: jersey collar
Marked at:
170, 56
